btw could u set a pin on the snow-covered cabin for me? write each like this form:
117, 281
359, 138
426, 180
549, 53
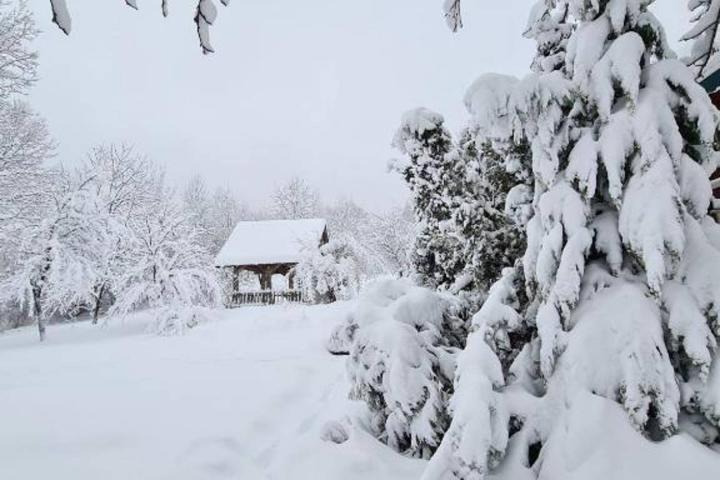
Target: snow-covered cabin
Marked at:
270, 247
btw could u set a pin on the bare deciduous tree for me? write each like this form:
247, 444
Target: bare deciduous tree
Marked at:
57, 254
123, 181
392, 236
295, 199
225, 212
18, 62
25, 144
168, 269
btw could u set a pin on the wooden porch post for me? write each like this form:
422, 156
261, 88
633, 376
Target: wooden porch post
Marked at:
291, 279
266, 278
235, 279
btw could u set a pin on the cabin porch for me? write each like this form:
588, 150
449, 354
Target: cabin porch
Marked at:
266, 295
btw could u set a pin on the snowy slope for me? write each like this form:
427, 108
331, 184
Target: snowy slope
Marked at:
243, 397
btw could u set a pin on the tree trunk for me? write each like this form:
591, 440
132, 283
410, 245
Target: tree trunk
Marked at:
266, 279
38, 314
41, 328
37, 289
98, 303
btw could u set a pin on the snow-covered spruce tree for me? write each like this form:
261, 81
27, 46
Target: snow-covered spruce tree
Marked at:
328, 273
548, 25
402, 357
466, 236
622, 301
166, 270
433, 174
492, 164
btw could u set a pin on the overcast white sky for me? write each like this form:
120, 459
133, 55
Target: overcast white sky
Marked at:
312, 88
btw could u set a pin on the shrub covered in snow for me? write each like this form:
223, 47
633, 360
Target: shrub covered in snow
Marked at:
342, 336
401, 364
328, 274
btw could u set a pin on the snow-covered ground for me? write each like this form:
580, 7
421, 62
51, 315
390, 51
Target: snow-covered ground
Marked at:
245, 396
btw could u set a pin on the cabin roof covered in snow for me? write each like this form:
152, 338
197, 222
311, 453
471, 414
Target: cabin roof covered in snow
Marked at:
270, 242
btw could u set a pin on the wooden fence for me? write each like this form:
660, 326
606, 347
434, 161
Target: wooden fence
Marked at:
266, 297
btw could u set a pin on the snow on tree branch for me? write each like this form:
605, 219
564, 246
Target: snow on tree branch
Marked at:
25, 144
205, 16
295, 199
703, 34
453, 16
18, 63
329, 273
61, 16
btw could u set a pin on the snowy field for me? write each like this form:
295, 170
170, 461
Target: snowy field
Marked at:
246, 397
241, 397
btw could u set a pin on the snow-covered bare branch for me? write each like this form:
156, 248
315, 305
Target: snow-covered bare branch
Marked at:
205, 16
18, 61
166, 269
295, 199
